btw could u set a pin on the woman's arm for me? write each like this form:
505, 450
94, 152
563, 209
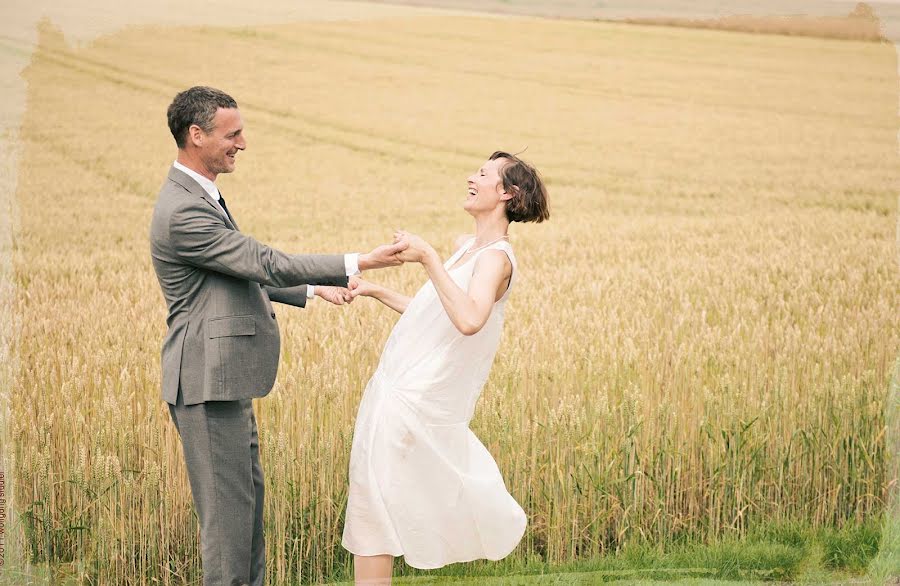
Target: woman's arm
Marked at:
396, 301
470, 310
467, 310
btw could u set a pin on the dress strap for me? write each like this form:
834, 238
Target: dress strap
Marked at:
461, 251
505, 247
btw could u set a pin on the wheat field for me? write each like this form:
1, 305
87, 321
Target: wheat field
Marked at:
701, 340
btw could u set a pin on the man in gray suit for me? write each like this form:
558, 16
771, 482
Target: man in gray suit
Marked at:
222, 346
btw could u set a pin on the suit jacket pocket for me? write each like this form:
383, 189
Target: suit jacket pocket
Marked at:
234, 325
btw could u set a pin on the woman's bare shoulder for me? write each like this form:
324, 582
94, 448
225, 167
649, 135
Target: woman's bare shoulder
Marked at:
462, 239
494, 259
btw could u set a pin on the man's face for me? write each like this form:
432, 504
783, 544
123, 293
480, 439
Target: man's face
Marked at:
219, 148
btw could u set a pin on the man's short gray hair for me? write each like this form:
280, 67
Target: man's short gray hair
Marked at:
196, 105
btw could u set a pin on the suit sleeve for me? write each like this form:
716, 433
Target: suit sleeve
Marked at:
199, 237
295, 296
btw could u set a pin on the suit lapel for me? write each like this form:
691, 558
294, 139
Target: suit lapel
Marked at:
186, 181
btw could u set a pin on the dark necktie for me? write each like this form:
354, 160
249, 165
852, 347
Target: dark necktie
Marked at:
225, 207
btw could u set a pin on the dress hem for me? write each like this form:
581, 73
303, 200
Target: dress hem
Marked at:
427, 566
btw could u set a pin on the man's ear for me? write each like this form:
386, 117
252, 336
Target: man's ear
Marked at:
196, 135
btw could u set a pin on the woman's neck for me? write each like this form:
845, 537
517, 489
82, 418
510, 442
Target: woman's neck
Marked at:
488, 229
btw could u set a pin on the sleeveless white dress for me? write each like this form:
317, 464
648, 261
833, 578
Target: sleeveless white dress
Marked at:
422, 485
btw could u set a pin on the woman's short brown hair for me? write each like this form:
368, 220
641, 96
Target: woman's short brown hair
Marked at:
524, 183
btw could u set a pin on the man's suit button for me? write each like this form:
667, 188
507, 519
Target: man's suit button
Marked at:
273, 315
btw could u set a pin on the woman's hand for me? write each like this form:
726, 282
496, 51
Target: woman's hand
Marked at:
417, 250
360, 287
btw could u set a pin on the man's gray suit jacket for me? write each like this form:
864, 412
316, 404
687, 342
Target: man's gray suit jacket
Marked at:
222, 342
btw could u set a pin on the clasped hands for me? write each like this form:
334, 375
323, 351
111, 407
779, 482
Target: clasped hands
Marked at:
406, 247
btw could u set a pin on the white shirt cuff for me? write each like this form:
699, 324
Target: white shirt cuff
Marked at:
310, 291
351, 263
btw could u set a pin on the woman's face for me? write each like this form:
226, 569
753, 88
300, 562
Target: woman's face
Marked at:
485, 187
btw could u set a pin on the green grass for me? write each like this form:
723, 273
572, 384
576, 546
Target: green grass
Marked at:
782, 553
885, 566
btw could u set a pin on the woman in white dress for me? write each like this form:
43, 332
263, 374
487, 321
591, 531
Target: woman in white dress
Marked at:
421, 483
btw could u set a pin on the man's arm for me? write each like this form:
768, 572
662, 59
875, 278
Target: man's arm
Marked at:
296, 296
300, 295
199, 237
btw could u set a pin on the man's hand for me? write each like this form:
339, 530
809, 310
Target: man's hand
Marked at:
382, 256
336, 295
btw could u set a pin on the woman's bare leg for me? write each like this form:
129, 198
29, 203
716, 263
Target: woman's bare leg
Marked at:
373, 570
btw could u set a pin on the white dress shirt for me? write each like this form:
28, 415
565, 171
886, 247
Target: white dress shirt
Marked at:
351, 259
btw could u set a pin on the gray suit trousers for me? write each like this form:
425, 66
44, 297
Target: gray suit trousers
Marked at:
221, 452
